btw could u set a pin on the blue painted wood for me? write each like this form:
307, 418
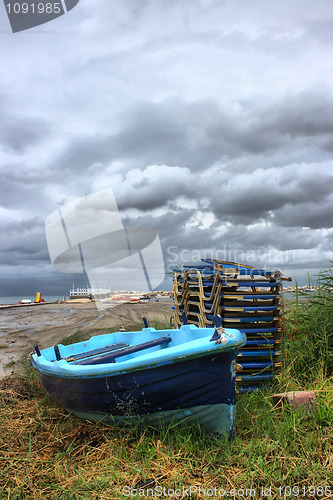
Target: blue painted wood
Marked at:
249, 308
241, 269
185, 372
57, 353
217, 320
254, 283
111, 356
258, 354
145, 322
261, 342
251, 388
95, 352
182, 385
255, 330
249, 295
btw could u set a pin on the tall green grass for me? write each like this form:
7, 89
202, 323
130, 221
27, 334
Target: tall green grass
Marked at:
309, 340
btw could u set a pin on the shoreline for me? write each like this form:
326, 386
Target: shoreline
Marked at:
69, 301
23, 327
9, 306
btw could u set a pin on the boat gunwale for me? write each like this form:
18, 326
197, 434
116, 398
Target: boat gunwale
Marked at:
196, 348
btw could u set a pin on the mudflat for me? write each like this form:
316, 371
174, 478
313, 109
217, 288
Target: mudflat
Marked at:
47, 324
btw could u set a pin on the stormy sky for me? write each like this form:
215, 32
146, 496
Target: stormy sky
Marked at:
211, 121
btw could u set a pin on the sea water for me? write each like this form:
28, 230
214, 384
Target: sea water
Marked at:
15, 300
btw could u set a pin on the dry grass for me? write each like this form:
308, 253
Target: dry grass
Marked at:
46, 453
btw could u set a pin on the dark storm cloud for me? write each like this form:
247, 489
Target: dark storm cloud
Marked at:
169, 224
278, 124
171, 132
264, 194
82, 152
263, 236
198, 134
211, 121
18, 132
23, 242
265, 246
161, 187
259, 195
312, 215
200, 140
25, 262
22, 185
302, 115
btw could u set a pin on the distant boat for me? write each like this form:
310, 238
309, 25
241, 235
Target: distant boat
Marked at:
124, 298
25, 301
151, 376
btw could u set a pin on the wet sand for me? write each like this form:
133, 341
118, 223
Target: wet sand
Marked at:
47, 324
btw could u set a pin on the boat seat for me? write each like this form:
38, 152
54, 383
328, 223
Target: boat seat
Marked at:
110, 357
95, 352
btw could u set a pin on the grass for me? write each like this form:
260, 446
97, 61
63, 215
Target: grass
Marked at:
310, 332
47, 453
9, 364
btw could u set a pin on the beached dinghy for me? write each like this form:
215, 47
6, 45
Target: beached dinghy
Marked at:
155, 376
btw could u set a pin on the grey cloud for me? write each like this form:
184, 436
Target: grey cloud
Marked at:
18, 133
169, 225
198, 134
23, 241
259, 199
306, 114
312, 215
25, 262
321, 29
270, 235
171, 132
257, 149
23, 186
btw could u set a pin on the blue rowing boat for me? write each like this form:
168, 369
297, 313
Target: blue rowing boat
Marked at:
150, 376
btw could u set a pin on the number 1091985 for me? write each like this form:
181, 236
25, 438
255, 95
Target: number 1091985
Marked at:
34, 8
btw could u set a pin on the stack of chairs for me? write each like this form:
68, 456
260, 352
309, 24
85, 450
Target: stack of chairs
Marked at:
247, 299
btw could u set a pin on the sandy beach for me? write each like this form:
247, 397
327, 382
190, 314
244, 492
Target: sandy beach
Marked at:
47, 324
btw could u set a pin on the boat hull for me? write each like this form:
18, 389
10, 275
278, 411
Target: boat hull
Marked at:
200, 390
